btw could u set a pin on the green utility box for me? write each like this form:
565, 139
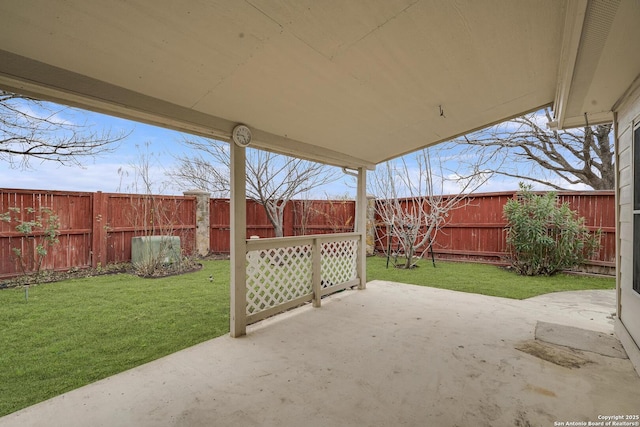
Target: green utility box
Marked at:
165, 249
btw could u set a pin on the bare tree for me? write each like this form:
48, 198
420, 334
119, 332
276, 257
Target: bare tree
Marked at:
411, 206
153, 215
272, 179
33, 129
557, 158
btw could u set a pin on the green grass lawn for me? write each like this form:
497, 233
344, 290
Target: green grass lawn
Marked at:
483, 279
78, 331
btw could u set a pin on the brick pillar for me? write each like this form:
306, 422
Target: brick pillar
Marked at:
202, 220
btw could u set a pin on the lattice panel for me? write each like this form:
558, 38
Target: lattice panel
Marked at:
339, 261
275, 276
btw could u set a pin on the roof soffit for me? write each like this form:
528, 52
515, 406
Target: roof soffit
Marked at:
599, 60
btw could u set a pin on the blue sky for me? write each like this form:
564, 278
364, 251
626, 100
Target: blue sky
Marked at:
115, 172
99, 173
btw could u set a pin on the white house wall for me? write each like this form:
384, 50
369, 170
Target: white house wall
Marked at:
628, 324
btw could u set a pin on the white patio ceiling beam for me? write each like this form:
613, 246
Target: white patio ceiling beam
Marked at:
32, 78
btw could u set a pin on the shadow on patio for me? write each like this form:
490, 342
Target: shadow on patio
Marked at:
390, 355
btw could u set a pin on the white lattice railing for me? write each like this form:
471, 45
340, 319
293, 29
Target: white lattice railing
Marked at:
285, 272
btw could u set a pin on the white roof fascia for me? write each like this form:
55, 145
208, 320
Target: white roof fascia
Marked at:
574, 22
591, 119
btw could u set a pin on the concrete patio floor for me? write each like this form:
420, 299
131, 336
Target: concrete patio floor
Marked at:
391, 355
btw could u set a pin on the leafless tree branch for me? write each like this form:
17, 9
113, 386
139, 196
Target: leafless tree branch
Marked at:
32, 129
272, 179
574, 156
410, 203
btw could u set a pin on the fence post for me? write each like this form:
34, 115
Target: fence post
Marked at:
99, 230
288, 225
203, 230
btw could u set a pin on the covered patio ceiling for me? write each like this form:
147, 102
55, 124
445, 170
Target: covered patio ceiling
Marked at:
347, 83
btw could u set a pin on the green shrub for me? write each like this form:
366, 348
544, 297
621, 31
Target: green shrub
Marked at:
544, 236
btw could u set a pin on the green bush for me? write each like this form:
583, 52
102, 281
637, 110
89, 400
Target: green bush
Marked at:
544, 236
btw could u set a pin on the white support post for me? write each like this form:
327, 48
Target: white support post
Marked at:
361, 226
238, 315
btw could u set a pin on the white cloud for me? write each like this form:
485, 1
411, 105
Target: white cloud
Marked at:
49, 176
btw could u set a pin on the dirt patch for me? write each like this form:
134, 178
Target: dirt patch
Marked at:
560, 356
75, 273
160, 273
521, 420
580, 339
213, 256
57, 276
541, 390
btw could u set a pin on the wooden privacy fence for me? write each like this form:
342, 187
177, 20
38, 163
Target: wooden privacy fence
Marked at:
301, 218
476, 230
74, 211
131, 215
96, 228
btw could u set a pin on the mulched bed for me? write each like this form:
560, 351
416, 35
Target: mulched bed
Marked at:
57, 276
